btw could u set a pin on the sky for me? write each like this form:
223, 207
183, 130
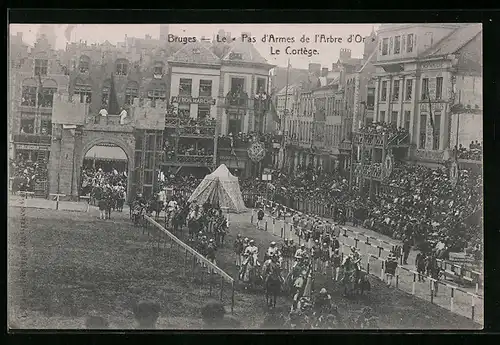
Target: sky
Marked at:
326, 53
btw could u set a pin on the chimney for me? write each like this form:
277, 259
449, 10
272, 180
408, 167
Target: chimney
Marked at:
324, 71
315, 68
345, 54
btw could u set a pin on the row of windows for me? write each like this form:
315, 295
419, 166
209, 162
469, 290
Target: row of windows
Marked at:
304, 132
121, 67
407, 95
186, 86
397, 44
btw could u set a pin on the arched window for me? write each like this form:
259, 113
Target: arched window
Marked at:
121, 67
131, 92
157, 91
28, 96
106, 87
84, 64
46, 96
83, 90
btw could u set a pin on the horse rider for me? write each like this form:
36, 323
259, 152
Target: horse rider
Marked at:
335, 244
298, 288
252, 250
390, 268
336, 264
316, 254
272, 269
323, 302
210, 251
238, 249
354, 257
325, 257
272, 251
300, 254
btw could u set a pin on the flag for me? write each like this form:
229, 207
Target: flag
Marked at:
113, 106
40, 90
68, 31
431, 118
273, 111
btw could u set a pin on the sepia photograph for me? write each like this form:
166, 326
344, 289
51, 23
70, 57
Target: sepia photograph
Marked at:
245, 176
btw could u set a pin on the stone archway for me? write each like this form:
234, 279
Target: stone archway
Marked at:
128, 146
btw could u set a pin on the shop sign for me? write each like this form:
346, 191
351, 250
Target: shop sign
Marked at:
193, 100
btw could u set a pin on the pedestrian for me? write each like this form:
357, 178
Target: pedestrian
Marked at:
406, 249
390, 268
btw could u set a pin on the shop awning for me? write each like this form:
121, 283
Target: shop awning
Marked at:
109, 153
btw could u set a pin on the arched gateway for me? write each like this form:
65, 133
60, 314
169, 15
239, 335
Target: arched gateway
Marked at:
77, 130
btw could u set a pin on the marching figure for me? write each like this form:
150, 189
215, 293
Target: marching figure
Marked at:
390, 268
238, 249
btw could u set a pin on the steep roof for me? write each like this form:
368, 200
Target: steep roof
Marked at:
291, 89
195, 53
247, 52
454, 41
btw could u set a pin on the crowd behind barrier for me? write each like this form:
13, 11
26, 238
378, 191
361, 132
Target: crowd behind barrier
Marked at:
241, 140
25, 173
374, 262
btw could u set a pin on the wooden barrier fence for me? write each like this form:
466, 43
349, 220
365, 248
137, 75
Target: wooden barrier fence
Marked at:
190, 258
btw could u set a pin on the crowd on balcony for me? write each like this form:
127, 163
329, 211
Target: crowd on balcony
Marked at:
241, 140
183, 118
394, 132
192, 150
25, 173
427, 208
237, 97
475, 151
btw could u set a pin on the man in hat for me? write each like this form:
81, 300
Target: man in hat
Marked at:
146, 314
406, 249
323, 302
316, 254
260, 217
390, 268
298, 287
300, 254
336, 263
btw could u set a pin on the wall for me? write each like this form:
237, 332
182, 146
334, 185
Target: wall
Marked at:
196, 74
68, 112
470, 127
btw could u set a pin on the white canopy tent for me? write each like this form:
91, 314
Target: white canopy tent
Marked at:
222, 188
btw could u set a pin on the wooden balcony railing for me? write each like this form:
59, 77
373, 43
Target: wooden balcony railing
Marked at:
32, 139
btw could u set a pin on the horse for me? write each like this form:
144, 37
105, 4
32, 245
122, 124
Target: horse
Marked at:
155, 206
248, 273
349, 276
137, 214
273, 282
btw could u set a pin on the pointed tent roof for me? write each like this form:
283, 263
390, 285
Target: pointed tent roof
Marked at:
195, 53
248, 53
220, 187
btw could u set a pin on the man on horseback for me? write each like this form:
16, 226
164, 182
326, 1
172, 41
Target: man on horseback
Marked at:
238, 249
300, 255
272, 251
250, 263
271, 273
323, 303
298, 288
350, 271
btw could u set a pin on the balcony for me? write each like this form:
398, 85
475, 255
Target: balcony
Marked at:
32, 139
261, 102
191, 160
381, 140
236, 100
345, 146
110, 123
191, 128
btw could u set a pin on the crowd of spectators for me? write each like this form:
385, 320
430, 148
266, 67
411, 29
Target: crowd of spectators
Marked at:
385, 128
25, 173
92, 178
475, 151
241, 140
191, 150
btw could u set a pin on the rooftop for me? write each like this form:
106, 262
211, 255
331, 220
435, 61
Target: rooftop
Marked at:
245, 52
454, 41
195, 53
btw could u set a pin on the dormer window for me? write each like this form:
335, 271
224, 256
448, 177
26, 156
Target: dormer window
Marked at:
235, 56
84, 64
121, 67
158, 70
